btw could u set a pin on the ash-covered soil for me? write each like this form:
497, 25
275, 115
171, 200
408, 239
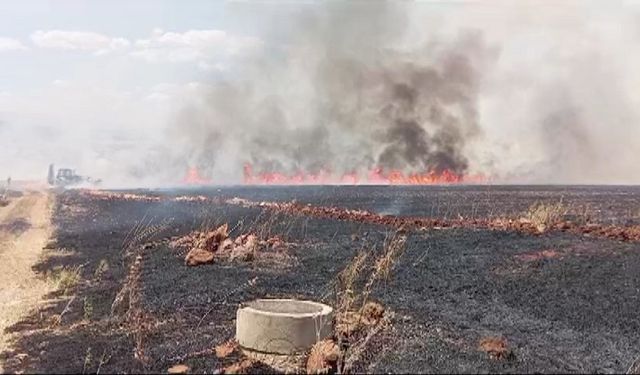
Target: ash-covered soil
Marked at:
560, 302
607, 204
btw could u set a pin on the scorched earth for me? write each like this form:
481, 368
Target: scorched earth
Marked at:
423, 278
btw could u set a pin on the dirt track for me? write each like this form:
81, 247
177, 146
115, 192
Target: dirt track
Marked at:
24, 230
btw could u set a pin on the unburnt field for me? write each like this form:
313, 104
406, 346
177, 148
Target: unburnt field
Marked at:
461, 299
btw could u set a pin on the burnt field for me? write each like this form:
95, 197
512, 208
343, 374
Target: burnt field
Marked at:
607, 204
530, 297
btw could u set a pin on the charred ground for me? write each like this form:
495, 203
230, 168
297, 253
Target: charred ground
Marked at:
559, 301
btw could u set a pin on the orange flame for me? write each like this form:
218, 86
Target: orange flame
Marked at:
375, 176
193, 178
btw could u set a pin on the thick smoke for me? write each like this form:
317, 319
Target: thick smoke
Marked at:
522, 92
344, 95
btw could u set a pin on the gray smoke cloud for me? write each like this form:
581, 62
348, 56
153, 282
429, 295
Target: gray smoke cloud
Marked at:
344, 95
523, 92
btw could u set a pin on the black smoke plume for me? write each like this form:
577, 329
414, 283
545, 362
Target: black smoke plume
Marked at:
343, 94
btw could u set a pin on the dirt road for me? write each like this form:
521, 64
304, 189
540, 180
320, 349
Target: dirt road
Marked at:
24, 230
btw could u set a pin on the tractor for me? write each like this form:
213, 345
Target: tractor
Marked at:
68, 177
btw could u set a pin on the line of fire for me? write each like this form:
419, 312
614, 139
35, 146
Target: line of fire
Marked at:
375, 176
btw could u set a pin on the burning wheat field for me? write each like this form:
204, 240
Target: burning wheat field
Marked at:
320, 187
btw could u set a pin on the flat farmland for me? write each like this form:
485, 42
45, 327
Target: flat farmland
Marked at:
563, 298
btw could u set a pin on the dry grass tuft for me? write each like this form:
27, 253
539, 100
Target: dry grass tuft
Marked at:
372, 313
87, 308
101, 269
635, 367
357, 318
143, 231
544, 215
345, 294
394, 247
65, 279
350, 323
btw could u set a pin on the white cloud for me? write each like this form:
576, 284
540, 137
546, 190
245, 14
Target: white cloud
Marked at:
208, 49
78, 41
193, 46
10, 44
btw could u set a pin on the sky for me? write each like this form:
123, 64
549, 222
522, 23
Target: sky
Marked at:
101, 85
103, 72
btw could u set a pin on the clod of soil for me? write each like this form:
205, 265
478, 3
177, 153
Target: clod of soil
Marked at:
323, 358
247, 366
226, 349
245, 247
496, 348
178, 369
205, 244
212, 240
203, 247
196, 257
